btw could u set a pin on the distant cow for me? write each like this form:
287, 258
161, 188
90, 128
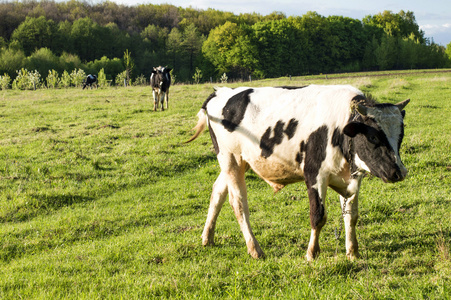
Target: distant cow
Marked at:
160, 81
327, 136
90, 80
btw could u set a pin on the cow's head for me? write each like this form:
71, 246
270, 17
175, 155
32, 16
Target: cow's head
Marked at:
157, 75
162, 77
377, 133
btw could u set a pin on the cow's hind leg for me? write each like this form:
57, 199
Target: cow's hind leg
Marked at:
167, 99
236, 169
218, 197
162, 95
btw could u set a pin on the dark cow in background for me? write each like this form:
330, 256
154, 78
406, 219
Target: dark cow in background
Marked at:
160, 81
90, 81
327, 136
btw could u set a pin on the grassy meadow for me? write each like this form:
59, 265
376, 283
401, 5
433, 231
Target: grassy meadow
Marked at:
99, 199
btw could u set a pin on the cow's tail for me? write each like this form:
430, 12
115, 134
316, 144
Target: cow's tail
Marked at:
201, 124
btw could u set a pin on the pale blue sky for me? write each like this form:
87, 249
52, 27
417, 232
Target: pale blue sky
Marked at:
433, 16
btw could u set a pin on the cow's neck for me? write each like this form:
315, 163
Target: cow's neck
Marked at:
350, 153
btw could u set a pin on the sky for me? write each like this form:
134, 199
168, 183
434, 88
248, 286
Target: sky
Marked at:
433, 16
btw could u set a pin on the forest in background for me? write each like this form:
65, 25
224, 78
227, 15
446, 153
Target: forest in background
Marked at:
49, 36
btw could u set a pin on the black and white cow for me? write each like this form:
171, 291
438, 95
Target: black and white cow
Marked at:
327, 136
90, 80
160, 81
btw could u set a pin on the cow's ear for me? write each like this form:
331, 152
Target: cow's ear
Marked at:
403, 114
169, 69
353, 128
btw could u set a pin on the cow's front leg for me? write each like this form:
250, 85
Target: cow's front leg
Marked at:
155, 100
351, 215
218, 197
318, 216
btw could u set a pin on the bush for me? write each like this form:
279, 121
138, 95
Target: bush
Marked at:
43, 60
141, 80
65, 79
4, 81
197, 77
52, 79
11, 60
121, 78
27, 80
77, 77
224, 78
101, 78
111, 67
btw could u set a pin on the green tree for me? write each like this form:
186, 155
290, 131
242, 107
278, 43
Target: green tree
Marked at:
448, 54
197, 77
175, 47
387, 53
229, 49
43, 60
129, 65
87, 39
103, 82
11, 60
192, 42
35, 33
402, 24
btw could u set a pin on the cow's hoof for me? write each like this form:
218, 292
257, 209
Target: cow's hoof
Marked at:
208, 240
353, 255
254, 250
310, 256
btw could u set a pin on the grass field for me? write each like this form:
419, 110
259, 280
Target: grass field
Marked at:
99, 199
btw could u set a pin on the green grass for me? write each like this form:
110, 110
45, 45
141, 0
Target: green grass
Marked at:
99, 199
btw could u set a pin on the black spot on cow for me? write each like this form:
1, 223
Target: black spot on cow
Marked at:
338, 140
213, 139
235, 109
267, 143
212, 95
300, 154
292, 87
291, 128
316, 208
273, 137
315, 154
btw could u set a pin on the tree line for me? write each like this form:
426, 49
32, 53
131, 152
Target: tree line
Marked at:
51, 36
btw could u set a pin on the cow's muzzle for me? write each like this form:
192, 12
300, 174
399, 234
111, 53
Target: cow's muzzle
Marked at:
398, 174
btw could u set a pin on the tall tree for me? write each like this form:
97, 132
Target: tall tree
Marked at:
35, 33
192, 42
402, 24
229, 49
87, 39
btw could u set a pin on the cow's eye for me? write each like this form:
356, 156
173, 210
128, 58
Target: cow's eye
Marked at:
373, 139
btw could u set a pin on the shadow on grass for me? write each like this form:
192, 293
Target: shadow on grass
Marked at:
42, 203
